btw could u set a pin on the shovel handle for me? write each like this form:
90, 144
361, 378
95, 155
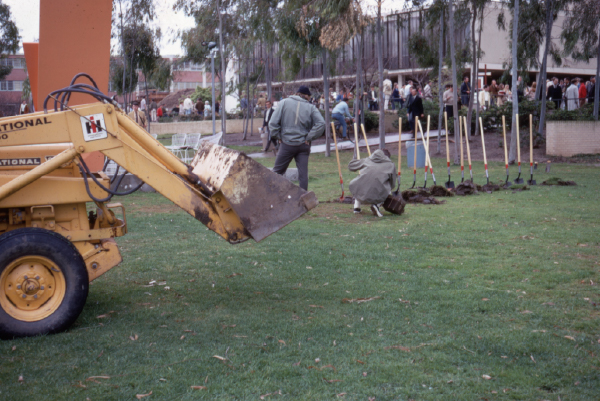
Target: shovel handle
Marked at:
399, 148
362, 127
337, 156
518, 140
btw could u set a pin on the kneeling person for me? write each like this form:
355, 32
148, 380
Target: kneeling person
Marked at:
375, 182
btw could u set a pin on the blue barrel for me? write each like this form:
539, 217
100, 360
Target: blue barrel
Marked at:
410, 154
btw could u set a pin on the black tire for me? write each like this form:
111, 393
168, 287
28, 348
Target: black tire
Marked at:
37, 242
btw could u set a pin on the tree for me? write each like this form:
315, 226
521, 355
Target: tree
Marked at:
9, 37
454, 80
379, 36
515, 73
317, 28
581, 37
130, 15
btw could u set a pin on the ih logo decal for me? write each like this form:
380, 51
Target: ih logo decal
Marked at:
93, 127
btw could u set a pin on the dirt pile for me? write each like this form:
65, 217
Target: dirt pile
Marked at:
420, 196
466, 188
558, 181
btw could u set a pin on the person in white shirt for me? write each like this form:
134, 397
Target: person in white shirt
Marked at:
207, 110
187, 106
143, 105
407, 90
387, 92
484, 97
572, 95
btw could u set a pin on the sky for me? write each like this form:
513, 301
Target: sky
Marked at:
26, 14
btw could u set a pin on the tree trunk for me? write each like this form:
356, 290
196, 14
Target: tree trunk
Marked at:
597, 84
477, 70
147, 111
381, 101
357, 98
454, 81
326, 91
515, 73
440, 84
223, 108
247, 114
473, 72
541, 87
268, 76
124, 58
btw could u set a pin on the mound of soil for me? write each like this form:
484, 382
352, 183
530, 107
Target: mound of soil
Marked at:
438, 190
558, 181
489, 188
518, 187
347, 200
420, 196
466, 188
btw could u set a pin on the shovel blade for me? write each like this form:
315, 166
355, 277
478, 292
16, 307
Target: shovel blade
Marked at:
519, 181
449, 184
531, 182
261, 200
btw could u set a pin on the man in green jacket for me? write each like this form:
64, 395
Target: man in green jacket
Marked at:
376, 179
295, 123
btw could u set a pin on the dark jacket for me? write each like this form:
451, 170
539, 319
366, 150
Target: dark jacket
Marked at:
200, 107
415, 106
268, 115
554, 93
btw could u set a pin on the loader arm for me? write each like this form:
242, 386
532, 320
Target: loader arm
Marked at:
228, 192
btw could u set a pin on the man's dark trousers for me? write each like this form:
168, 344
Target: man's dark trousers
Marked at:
300, 154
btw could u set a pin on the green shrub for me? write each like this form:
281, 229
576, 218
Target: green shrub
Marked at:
371, 120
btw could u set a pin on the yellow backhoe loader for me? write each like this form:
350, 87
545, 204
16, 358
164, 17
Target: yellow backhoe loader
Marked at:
51, 247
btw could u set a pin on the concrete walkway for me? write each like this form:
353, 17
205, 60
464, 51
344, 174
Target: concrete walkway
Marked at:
389, 138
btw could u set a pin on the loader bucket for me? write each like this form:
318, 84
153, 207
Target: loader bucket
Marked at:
263, 201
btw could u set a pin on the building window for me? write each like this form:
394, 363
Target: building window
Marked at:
16, 86
189, 66
13, 62
186, 85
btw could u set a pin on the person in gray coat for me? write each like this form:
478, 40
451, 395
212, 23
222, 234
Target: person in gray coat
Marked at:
295, 123
376, 179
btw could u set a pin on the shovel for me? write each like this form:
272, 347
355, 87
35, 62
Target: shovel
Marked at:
427, 158
397, 191
531, 181
449, 184
415, 158
487, 176
362, 127
462, 156
337, 155
519, 180
508, 183
468, 149
426, 146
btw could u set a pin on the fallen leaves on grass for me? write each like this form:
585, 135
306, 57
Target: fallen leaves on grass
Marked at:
21, 380
219, 357
332, 381
93, 378
140, 396
532, 358
198, 387
527, 311
14, 348
262, 397
80, 385
358, 300
485, 299
340, 394
364, 374
133, 338
309, 267
235, 274
224, 326
282, 342
570, 338
296, 364
486, 377
362, 363
316, 306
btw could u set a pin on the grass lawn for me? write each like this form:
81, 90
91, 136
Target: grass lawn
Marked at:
492, 296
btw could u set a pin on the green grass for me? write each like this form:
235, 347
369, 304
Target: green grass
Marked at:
482, 285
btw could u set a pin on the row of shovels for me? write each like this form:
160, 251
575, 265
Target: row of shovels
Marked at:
429, 167
463, 123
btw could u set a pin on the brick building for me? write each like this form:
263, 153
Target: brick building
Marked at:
11, 87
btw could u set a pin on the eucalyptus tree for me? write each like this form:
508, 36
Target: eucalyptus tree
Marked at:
9, 37
581, 37
128, 16
454, 80
215, 22
317, 27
